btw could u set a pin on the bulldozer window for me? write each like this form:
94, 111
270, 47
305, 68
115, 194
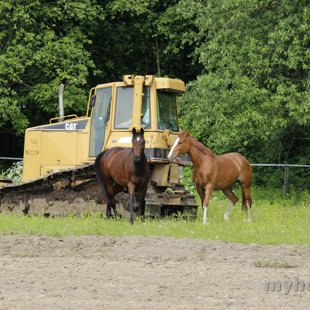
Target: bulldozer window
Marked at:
99, 119
167, 111
146, 109
124, 106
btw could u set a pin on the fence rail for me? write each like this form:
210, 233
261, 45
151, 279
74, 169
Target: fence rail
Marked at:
12, 158
281, 165
286, 172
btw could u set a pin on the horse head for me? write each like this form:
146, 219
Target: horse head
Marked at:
180, 146
138, 144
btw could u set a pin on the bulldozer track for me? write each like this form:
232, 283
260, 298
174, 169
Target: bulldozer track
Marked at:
87, 171
39, 197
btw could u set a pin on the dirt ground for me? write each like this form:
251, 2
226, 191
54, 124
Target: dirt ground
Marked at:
93, 272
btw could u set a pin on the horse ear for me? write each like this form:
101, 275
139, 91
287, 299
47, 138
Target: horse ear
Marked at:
180, 131
186, 133
142, 131
134, 130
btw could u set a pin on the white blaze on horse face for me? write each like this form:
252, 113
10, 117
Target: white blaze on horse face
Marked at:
138, 139
173, 147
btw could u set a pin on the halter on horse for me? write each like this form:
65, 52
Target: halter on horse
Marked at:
213, 172
119, 167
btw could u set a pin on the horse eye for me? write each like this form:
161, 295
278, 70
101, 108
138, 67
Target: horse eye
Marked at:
180, 142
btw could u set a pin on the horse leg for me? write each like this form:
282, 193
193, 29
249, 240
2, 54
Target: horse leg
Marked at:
246, 200
113, 205
232, 201
205, 204
202, 195
108, 212
110, 197
201, 191
142, 202
131, 191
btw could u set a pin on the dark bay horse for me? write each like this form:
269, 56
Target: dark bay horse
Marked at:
213, 172
118, 168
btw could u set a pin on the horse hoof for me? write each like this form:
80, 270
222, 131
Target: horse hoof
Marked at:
226, 217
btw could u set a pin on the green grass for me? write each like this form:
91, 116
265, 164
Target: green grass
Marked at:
276, 220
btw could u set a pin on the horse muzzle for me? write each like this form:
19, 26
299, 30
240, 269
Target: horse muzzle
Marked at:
136, 158
172, 157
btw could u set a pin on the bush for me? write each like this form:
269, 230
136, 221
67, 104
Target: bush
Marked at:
15, 172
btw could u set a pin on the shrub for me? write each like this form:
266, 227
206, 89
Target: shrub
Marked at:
15, 172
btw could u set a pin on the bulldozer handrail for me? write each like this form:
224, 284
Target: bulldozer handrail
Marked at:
62, 118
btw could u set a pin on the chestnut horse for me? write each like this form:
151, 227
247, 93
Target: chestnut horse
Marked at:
119, 168
213, 172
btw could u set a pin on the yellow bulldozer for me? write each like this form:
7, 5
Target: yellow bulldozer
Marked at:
58, 164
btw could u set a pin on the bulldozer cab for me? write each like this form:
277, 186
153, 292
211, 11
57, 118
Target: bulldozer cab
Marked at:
143, 102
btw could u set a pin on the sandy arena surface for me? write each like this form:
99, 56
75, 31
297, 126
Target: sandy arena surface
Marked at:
93, 272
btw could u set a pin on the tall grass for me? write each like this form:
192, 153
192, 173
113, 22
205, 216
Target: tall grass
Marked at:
276, 220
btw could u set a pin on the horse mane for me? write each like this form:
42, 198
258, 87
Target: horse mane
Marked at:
202, 148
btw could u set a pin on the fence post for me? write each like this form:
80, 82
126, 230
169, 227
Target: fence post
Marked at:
285, 184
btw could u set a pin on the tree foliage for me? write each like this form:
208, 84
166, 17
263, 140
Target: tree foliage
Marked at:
253, 93
144, 37
43, 44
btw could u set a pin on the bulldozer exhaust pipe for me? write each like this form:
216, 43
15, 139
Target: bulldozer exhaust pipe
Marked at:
61, 101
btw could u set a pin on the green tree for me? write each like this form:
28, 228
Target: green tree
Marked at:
43, 44
253, 93
145, 37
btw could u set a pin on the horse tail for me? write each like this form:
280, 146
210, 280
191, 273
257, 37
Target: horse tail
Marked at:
102, 189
